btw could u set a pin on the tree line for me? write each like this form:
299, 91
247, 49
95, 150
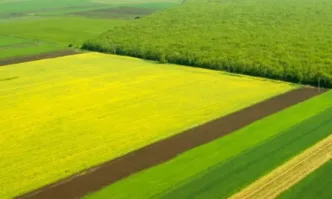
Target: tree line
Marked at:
277, 39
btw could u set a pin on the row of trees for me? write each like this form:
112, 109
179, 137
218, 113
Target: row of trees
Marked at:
267, 39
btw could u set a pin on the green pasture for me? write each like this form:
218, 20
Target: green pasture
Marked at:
49, 34
26, 50
25, 7
60, 30
18, 8
317, 185
6, 40
13, 46
275, 131
51, 25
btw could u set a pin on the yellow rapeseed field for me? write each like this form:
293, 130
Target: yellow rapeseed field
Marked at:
60, 116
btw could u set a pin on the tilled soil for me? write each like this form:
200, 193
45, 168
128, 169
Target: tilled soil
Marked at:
48, 55
110, 172
123, 12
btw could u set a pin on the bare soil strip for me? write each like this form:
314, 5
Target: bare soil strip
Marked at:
110, 172
292, 172
48, 55
117, 13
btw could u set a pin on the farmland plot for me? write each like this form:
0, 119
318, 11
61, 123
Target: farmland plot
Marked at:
14, 46
225, 166
244, 169
61, 116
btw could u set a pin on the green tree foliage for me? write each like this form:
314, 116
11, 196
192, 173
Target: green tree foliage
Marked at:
288, 40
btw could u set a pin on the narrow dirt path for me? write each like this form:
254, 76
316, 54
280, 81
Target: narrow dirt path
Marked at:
110, 172
48, 55
290, 173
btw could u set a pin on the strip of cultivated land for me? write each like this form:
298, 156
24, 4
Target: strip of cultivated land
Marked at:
167, 149
47, 55
224, 166
317, 185
62, 116
290, 173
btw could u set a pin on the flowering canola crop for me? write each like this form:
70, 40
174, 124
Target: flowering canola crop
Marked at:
61, 116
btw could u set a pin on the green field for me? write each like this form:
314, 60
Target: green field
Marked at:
317, 185
49, 34
54, 25
60, 30
19, 8
26, 50
224, 166
6, 40
279, 39
8, 8
61, 116
15, 46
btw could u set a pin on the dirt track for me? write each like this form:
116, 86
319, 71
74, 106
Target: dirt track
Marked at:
122, 12
162, 151
48, 55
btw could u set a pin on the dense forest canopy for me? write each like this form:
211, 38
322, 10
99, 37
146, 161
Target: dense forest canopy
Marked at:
280, 39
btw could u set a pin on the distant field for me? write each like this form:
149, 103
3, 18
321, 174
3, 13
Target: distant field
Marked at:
13, 46
19, 8
54, 25
6, 41
26, 50
68, 114
31, 37
61, 30
279, 39
316, 185
234, 161
25, 7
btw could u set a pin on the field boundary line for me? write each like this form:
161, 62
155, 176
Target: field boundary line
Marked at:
95, 178
38, 56
290, 173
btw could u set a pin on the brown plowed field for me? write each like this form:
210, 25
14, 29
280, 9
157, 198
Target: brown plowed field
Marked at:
48, 55
110, 172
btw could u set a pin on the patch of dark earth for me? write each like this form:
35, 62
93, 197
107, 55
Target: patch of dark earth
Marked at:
48, 55
123, 12
96, 178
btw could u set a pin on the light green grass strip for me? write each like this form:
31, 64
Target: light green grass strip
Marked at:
154, 181
317, 185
